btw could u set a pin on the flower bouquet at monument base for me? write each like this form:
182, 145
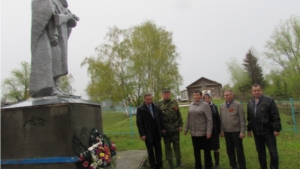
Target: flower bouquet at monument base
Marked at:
100, 154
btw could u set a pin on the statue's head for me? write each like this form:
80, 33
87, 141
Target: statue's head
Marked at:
64, 3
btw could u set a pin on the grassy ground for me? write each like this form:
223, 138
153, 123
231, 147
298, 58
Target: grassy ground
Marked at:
117, 126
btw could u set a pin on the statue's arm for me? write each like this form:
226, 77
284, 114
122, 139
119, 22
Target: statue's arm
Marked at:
65, 18
52, 32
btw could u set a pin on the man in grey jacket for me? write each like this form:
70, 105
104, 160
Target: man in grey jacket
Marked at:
233, 128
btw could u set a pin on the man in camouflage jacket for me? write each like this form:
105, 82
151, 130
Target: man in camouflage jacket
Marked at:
173, 122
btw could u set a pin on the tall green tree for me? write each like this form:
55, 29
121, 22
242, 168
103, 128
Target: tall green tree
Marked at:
283, 49
132, 62
253, 70
15, 88
155, 59
109, 69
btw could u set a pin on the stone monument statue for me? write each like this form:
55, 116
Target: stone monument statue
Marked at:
60, 116
52, 23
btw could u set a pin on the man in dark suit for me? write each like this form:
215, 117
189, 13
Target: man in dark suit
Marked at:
151, 128
264, 121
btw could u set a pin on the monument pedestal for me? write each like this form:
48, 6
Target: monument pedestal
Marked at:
47, 132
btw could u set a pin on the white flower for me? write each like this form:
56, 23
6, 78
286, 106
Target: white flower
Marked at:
100, 162
94, 146
94, 157
94, 165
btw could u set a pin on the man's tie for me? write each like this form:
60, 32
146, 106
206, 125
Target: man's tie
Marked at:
151, 111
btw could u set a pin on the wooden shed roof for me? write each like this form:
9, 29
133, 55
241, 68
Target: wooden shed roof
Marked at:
203, 78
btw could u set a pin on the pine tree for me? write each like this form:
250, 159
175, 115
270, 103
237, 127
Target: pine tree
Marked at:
253, 69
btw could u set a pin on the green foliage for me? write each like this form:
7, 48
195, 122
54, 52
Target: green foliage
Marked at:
253, 69
283, 49
15, 88
254, 74
243, 77
239, 79
278, 87
65, 84
132, 62
155, 58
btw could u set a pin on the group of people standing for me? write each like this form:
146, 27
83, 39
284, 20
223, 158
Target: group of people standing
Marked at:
205, 124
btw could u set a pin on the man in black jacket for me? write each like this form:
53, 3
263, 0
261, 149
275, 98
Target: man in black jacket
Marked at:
151, 127
264, 120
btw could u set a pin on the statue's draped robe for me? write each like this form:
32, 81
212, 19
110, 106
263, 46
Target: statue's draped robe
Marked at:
47, 62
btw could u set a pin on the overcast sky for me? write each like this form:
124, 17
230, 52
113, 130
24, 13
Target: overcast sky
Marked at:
207, 33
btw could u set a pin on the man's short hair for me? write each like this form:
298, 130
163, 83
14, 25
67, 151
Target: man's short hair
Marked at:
198, 91
229, 90
147, 94
257, 85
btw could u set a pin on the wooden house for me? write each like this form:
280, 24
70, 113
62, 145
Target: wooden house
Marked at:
205, 85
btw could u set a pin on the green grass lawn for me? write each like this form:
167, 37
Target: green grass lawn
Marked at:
117, 126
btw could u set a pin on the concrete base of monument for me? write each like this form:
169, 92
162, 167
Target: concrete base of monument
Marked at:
47, 132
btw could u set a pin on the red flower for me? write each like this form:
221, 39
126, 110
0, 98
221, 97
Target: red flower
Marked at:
97, 150
81, 158
106, 150
85, 164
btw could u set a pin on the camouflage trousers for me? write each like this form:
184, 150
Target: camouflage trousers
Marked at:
172, 138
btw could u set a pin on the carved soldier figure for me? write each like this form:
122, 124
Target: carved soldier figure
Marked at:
52, 23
